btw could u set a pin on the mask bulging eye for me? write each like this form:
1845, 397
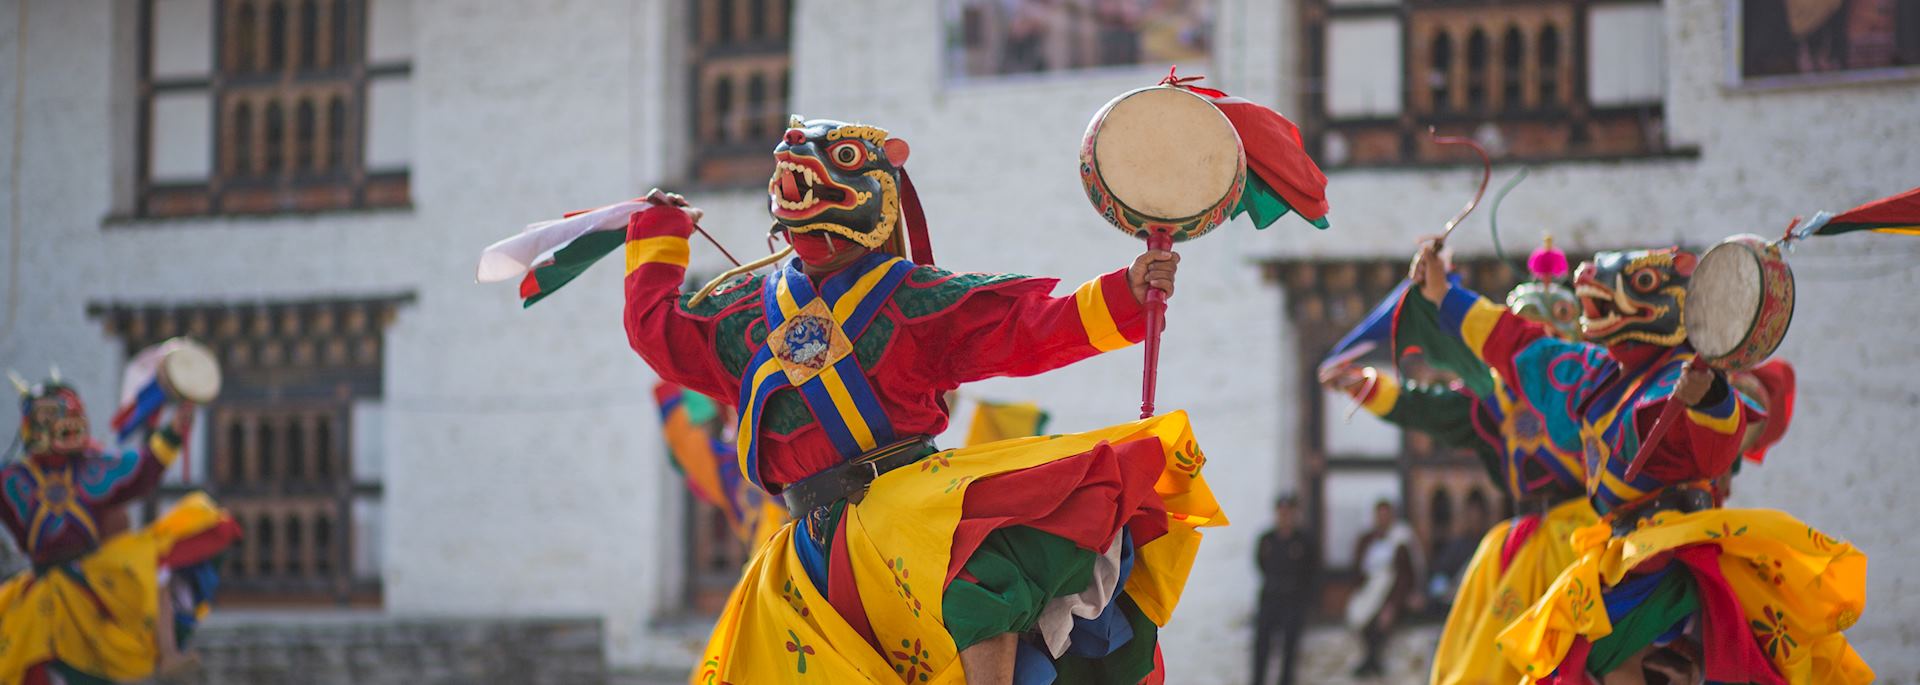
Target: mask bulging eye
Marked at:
1646, 281
1565, 311
847, 155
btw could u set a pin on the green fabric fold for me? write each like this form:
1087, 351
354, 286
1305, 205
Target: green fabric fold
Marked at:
1016, 572
1670, 602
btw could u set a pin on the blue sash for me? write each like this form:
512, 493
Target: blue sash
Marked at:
810, 346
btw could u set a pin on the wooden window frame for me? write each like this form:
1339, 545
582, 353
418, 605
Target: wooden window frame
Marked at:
305, 361
1569, 128
350, 185
740, 158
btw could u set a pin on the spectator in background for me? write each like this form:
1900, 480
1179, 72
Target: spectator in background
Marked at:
1453, 554
1385, 557
1288, 562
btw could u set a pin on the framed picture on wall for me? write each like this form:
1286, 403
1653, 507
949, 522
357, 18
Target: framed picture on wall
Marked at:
1001, 38
1790, 42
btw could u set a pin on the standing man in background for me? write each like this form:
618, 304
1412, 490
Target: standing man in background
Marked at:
1288, 562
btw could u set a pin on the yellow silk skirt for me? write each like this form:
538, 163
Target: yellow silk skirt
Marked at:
103, 622
1488, 598
1796, 585
778, 628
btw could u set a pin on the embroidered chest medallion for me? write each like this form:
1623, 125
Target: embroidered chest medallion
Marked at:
808, 342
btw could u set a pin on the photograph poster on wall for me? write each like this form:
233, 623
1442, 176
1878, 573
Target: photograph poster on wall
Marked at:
1816, 40
993, 38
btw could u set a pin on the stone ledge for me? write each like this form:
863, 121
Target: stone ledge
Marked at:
369, 648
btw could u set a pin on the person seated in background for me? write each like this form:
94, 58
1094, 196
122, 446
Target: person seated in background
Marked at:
1384, 556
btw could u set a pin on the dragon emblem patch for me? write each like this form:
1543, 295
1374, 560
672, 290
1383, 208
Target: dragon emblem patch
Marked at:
808, 342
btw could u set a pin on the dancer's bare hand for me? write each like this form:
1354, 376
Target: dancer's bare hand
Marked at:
658, 197
1695, 381
1429, 272
1154, 269
1346, 378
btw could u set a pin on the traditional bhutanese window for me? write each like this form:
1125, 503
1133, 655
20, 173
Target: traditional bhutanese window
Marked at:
1513, 79
278, 448
266, 106
740, 50
1531, 79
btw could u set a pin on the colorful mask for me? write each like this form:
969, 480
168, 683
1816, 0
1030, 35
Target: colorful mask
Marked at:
837, 178
53, 420
1545, 299
1634, 296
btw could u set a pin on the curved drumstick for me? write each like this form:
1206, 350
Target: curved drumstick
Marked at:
717, 245
749, 267
1486, 174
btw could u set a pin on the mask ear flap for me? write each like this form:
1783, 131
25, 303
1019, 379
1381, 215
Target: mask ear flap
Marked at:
1683, 263
897, 151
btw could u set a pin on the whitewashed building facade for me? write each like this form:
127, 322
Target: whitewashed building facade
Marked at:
469, 458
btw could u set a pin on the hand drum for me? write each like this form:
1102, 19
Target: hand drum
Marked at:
1162, 160
1164, 165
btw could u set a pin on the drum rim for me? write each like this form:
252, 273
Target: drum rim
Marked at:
1756, 247
205, 354
1093, 155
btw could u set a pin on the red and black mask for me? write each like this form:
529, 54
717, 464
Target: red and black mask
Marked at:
53, 420
836, 180
1634, 296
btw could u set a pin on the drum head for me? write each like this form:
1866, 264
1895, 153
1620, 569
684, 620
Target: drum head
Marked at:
1167, 153
190, 371
1723, 299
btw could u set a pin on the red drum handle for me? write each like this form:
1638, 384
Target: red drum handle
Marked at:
1156, 318
1669, 415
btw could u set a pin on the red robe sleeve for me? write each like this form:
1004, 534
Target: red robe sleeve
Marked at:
1024, 330
678, 345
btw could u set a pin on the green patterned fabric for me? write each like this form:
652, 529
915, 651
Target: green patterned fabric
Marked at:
723, 297
873, 342
786, 412
1017, 571
916, 299
1450, 417
731, 335
1418, 325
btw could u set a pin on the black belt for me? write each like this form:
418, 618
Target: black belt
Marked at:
849, 479
1685, 499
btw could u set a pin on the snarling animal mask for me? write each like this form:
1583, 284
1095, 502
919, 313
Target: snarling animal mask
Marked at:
837, 179
53, 420
1634, 296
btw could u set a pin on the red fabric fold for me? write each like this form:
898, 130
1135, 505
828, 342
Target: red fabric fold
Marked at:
203, 545
1517, 536
842, 593
920, 243
1730, 652
1086, 498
